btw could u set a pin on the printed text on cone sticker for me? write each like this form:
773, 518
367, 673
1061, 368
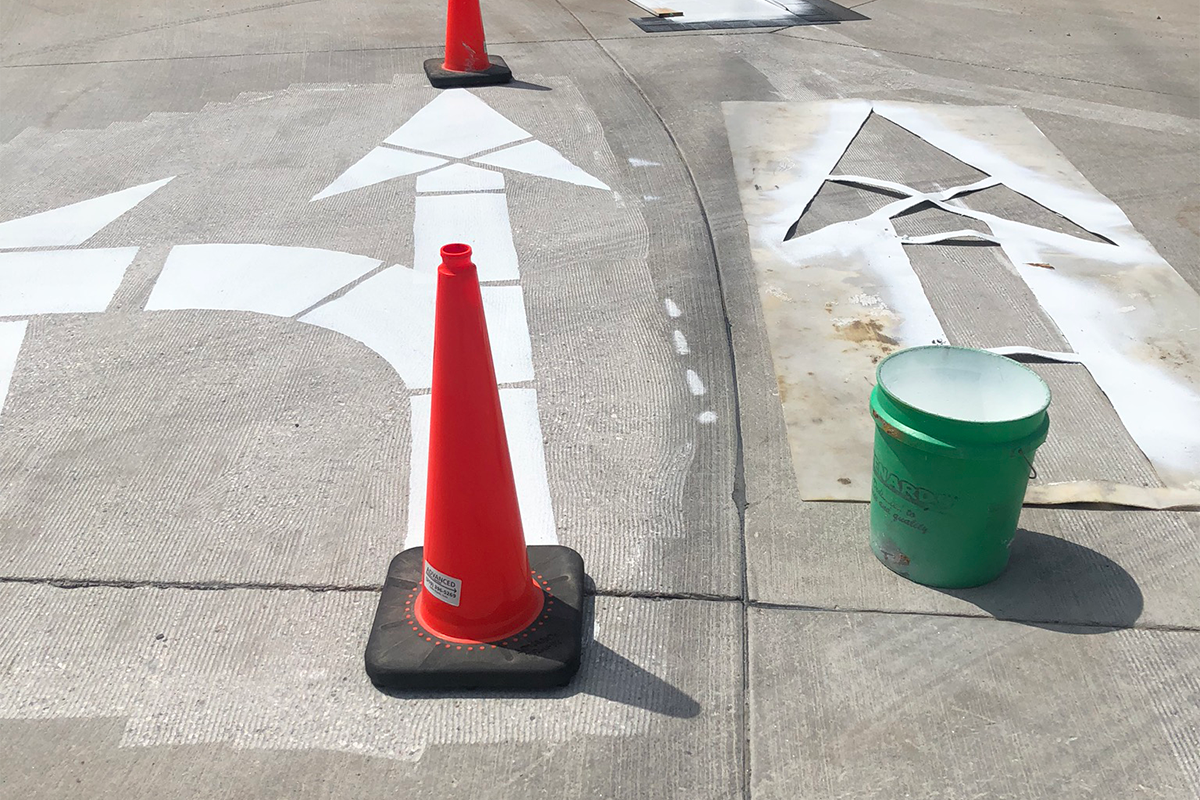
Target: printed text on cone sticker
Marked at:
443, 587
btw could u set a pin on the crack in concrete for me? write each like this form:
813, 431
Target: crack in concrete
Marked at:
202, 586
694, 597
640, 595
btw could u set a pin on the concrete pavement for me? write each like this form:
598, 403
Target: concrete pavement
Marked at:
197, 506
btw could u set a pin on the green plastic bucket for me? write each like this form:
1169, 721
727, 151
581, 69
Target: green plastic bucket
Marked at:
955, 435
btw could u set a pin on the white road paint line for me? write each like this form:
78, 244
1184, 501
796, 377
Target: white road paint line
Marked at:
523, 429
681, 343
695, 385
538, 158
392, 314
269, 279
420, 410
378, 165
460, 178
508, 332
672, 310
76, 223
11, 336
61, 281
706, 417
641, 162
456, 123
480, 220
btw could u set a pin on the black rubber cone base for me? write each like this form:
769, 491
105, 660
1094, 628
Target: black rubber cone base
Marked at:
442, 78
403, 655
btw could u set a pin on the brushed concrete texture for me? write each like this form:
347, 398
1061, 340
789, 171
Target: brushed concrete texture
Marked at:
816, 554
68, 31
256, 692
885, 706
150, 693
1109, 569
1148, 47
642, 486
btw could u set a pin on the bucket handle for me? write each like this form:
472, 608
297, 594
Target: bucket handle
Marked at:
1032, 469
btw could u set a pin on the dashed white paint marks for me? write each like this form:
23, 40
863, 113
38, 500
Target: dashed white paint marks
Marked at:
280, 281
380, 164
523, 429
695, 383
76, 223
392, 313
538, 158
641, 162
11, 336
460, 178
61, 281
681, 343
480, 220
456, 123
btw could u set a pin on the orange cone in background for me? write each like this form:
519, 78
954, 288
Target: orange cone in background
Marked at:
477, 580
474, 607
466, 62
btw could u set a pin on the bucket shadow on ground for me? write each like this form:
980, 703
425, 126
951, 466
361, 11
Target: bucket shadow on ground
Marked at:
603, 673
1061, 586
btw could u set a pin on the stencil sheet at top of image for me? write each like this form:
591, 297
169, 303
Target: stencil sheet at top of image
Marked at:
876, 226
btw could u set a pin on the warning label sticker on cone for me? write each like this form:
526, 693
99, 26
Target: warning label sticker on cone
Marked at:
443, 587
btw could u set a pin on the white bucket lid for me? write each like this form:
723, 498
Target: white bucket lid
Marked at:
963, 384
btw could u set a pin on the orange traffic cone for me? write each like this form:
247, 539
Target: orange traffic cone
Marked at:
474, 607
466, 62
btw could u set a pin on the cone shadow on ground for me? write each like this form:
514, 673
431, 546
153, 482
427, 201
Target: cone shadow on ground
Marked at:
1061, 586
535, 87
604, 673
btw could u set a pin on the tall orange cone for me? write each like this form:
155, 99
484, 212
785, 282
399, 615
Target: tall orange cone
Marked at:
477, 581
466, 62
474, 607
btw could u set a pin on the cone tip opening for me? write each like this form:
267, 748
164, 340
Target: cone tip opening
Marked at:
456, 257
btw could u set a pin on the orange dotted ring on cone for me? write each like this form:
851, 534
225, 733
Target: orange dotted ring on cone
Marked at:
429, 636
